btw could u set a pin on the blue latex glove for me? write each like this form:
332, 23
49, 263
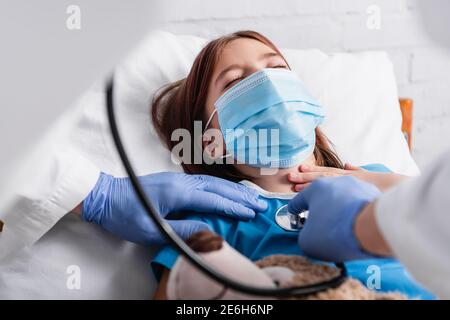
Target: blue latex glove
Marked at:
333, 205
114, 205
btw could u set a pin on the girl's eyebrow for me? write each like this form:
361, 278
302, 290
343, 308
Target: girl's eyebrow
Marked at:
269, 55
236, 66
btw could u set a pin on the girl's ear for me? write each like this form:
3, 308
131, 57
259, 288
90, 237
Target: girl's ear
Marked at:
213, 144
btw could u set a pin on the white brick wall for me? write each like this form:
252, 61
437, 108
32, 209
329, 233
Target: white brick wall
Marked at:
422, 69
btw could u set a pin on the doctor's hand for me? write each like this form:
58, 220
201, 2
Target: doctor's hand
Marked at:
334, 205
114, 205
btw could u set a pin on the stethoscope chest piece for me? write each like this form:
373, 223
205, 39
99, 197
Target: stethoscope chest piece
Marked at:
290, 221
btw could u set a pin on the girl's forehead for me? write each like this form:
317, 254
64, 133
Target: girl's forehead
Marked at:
241, 50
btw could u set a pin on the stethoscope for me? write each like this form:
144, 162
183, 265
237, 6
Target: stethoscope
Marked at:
289, 220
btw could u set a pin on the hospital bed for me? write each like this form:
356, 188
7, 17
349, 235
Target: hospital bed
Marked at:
358, 92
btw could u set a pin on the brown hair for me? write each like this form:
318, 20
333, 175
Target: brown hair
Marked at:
179, 104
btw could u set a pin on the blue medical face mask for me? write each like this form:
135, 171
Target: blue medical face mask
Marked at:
269, 119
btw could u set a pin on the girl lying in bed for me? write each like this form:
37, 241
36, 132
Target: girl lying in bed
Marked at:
242, 82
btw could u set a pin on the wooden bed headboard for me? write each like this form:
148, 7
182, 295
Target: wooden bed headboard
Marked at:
406, 106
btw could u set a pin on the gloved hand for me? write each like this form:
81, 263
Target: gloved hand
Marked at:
333, 206
114, 205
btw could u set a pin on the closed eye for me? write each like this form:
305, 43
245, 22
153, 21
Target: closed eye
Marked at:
230, 83
235, 80
281, 66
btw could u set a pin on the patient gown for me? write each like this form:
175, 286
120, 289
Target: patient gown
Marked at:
261, 237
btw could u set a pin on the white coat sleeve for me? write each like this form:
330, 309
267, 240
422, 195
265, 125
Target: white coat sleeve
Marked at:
414, 218
55, 176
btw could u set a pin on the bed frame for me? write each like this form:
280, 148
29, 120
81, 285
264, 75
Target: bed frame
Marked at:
407, 107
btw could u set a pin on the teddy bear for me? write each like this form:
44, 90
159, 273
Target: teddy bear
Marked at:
275, 271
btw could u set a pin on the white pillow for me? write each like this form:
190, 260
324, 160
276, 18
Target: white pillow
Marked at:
160, 59
358, 92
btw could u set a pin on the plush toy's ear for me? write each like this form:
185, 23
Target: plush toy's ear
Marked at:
187, 282
205, 241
